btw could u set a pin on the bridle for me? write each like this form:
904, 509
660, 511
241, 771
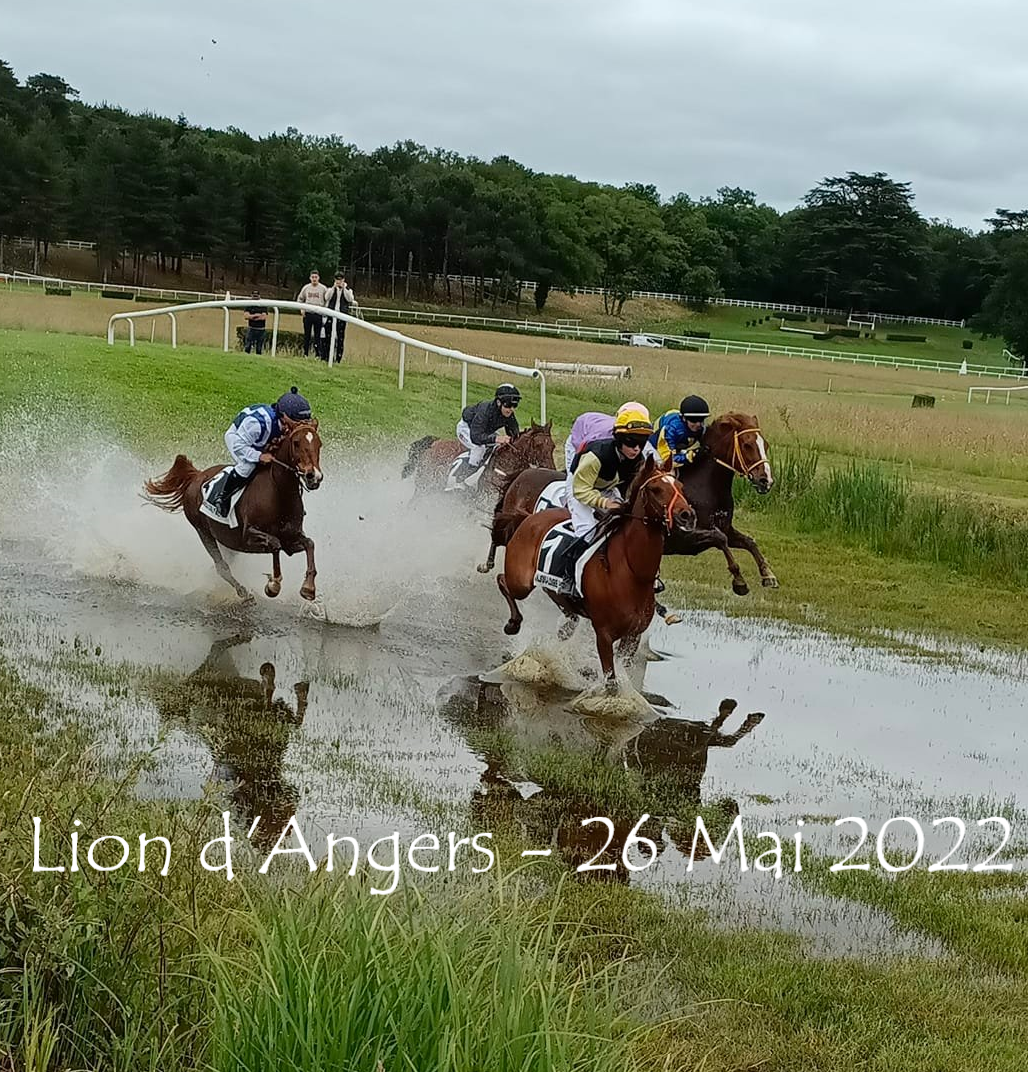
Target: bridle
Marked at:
294, 469
742, 469
667, 521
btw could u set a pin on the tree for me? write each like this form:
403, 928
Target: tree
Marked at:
863, 235
1005, 309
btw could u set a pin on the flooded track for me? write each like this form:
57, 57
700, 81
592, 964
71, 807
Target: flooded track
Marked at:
420, 715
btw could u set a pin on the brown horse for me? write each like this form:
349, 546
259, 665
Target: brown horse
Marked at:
617, 583
270, 510
430, 458
733, 445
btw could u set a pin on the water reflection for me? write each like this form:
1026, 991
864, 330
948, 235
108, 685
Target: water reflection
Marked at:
247, 729
547, 769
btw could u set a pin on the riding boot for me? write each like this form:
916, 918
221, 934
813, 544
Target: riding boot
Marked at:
469, 477
572, 553
658, 585
458, 476
222, 501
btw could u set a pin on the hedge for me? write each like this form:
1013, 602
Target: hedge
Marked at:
697, 334
121, 295
289, 342
967, 344
790, 316
59, 292
906, 338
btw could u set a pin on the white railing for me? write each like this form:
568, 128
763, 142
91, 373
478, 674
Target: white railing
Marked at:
277, 306
989, 390
600, 372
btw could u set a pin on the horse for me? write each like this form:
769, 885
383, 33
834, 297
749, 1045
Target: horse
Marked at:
733, 445
270, 511
617, 584
433, 457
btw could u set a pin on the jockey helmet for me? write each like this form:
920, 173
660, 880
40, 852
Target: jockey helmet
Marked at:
508, 395
632, 422
694, 408
637, 406
294, 406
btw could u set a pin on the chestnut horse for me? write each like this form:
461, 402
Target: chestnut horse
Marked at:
431, 458
733, 445
617, 582
270, 510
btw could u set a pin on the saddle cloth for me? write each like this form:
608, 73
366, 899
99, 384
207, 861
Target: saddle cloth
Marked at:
553, 497
550, 569
451, 476
209, 489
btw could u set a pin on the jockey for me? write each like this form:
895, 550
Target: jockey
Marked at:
679, 433
254, 428
592, 426
599, 476
484, 426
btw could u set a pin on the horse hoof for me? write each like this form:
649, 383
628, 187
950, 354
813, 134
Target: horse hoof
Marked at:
308, 593
511, 628
247, 599
740, 588
483, 568
770, 581
271, 590
673, 618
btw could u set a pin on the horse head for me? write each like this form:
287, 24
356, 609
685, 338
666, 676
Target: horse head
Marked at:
735, 441
532, 449
656, 497
299, 449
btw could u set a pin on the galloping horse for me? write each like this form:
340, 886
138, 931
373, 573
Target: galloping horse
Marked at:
431, 457
733, 445
617, 583
270, 510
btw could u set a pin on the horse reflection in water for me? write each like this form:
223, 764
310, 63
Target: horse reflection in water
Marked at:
247, 730
579, 764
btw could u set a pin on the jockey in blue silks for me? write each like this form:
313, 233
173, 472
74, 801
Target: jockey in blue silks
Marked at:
247, 437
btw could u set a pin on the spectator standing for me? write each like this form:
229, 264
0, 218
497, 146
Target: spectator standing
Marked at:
256, 324
340, 298
312, 293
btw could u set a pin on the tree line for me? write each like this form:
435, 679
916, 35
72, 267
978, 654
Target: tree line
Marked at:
272, 207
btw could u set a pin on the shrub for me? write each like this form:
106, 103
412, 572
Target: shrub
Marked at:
59, 292
791, 316
967, 344
906, 338
121, 295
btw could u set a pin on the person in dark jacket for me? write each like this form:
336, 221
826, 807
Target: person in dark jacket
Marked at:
484, 426
339, 297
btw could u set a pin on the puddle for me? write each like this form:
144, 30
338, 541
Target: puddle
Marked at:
363, 731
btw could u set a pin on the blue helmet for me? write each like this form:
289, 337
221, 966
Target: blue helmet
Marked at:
294, 406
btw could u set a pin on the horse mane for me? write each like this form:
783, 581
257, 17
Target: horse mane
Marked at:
722, 428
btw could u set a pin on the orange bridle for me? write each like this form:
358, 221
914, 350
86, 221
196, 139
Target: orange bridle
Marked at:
669, 521
738, 463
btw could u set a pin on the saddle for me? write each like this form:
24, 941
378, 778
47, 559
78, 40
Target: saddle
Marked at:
561, 557
553, 496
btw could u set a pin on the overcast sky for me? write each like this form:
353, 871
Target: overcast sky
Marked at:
770, 95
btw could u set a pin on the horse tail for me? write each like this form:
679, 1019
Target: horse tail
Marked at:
168, 491
416, 450
505, 524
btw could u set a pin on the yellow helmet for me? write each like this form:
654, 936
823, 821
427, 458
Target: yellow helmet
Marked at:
637, 406
632, 422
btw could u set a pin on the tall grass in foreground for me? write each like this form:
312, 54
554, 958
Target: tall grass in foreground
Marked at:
345, 981
868, 506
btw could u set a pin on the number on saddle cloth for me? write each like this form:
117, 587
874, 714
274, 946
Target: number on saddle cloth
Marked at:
554, 567
553, 496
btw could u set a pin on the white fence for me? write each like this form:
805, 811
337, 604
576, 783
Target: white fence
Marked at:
276, 306
989, 391
598, 372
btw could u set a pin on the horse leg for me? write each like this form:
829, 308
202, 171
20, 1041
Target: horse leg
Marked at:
513, 626
628, 647
490, 561
212, 548
307, 590
748, 543
274, 585
605, 650
701, 539
568, 626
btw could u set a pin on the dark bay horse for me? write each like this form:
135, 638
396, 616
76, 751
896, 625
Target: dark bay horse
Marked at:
617, 583
430, 458
733, 446
270, 511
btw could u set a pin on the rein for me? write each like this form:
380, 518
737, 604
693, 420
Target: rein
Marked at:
742, 469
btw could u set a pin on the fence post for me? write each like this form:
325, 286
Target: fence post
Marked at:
403, 361
274, 331
463, 385
174, 331
226, 331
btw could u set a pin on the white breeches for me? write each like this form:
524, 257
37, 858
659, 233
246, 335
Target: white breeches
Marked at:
569, 453
477, 453
237, 448
583, 520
